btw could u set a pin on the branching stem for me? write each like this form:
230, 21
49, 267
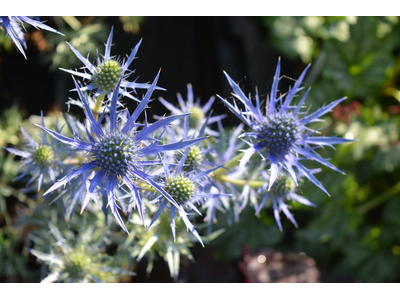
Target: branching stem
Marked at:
394, 190
221, 174
241, 182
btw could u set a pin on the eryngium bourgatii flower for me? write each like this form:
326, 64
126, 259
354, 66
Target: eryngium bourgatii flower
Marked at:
77, 259
117, 153
187, 189
283, 189
199, 112
105, 76
280, 133
41, 160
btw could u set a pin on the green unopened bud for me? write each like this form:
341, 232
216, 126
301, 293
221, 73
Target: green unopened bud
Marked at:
77, 264
196, 117
107, 75
180, 188
193, 159
43, 156
282, 186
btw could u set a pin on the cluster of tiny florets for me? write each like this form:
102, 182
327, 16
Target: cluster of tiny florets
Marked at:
196, 117
278, 134
180, 188
43, 156
107, 75
77, 264
282, 186
193, 159
115, 153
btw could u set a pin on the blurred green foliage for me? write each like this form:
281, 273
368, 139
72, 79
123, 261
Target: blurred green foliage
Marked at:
86, 34
13, 258
5, 42
10, 135
131, 24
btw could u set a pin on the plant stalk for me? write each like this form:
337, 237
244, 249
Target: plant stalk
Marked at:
394, 190
97, 106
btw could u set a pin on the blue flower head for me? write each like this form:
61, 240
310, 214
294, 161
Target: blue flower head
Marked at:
196, 157
186, 188
118, 153
279, 131
283, 189
199, 113
42, 160
105, 75
13, 27
75, 259
197, 160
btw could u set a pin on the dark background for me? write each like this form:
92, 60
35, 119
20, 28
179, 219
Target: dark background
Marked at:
192, 50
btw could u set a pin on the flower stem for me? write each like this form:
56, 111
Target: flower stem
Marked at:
98, 105
146, 186
3, 210
242, 182
220, 174
394, 190
233, 162
390, 91
72, 22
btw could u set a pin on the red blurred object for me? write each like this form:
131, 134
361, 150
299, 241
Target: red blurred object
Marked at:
269, 266
394, 109
342, 112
